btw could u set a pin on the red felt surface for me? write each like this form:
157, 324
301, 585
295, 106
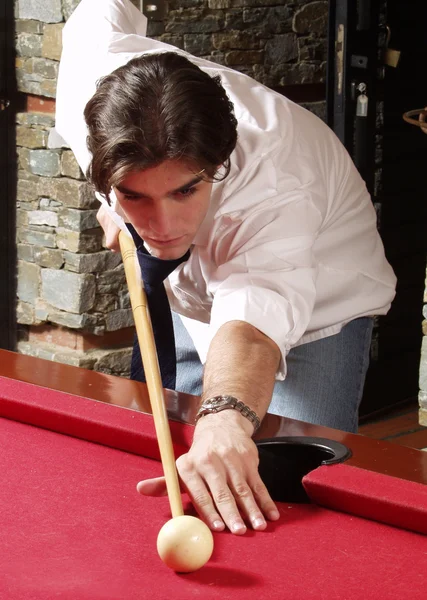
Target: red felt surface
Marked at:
371, 495
106, 424
73, 527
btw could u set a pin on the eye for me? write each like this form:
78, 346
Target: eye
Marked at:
130, 198
186, 192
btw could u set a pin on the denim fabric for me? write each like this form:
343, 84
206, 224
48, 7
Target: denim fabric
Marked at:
325, 378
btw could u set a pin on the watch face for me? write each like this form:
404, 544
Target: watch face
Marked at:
217, 403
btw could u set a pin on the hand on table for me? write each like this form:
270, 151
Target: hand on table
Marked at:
220, 474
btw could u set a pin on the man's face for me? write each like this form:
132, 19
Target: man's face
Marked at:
166, 205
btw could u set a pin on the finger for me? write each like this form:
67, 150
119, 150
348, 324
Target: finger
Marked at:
152, 487
199, 494
263, 498
246, 502
224, 499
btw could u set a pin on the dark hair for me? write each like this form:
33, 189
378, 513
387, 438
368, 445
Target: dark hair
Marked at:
158, 107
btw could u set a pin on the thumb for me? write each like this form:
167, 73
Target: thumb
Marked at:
152, 487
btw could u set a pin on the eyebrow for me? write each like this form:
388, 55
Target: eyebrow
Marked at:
128, 192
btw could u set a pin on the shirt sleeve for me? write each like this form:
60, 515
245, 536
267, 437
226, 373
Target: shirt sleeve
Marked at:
266, 269
100, 36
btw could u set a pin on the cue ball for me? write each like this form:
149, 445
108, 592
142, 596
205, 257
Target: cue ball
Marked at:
185, 544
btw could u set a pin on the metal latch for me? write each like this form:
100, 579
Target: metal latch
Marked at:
153, 9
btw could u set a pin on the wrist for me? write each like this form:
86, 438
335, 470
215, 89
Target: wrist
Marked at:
226, 418
225, 403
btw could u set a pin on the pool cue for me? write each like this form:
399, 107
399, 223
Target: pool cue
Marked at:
144, 332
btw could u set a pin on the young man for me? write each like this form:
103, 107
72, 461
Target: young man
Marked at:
286, 267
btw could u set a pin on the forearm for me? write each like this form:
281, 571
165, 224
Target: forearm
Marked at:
242, 362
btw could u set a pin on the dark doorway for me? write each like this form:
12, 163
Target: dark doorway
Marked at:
391, 156
403, 225
7, 178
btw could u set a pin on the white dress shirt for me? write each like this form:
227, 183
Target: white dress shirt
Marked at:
290, 243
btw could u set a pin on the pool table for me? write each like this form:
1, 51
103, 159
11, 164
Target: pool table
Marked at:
74, 443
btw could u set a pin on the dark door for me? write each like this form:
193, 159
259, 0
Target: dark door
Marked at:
403, 225
7, 178
391, 156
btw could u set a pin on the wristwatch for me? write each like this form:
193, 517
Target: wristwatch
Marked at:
219, 403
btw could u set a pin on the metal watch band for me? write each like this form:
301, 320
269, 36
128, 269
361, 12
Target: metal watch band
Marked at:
219, 403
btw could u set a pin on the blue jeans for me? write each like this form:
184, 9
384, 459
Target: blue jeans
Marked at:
325, 378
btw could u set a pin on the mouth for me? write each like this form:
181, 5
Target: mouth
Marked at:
162, 243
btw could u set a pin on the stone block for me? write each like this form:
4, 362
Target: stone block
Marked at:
67, 291
68, 6
249, 3
46, 163
25, 313
69, 166
25, 252
81, 242
48, 88
209, 23
78, 220
234, 20
423, 365
47, 11
31, 137
95, 262
75, 194
237, 40
37, 238
22, 218
42, 310
47, 188
249, 57
66, 319
28, 282
219, 4
48, 257
28, 26
46, 68
422, 417
282, 48
113, 361
52, 41
48, 203
172, 39
44, 121
23, 159
311, 19
422, 399
124, 299
57, 353
119, 319
269, 20
43, 217
106, 303
111, 282
31, 82
28, 44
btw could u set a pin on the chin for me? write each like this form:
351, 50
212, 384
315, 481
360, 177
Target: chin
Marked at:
168, 253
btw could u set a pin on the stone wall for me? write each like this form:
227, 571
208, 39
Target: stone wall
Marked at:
73, 306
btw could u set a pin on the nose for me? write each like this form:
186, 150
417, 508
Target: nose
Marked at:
161, 220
